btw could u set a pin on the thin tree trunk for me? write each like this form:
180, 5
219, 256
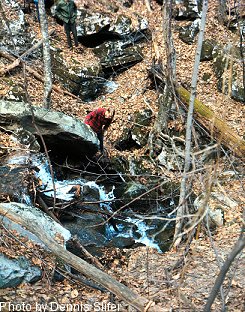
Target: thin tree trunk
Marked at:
46, 55
148, 5
242, 46
165, 99
237, 248
182, 209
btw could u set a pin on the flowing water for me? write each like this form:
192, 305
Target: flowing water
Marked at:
137, 232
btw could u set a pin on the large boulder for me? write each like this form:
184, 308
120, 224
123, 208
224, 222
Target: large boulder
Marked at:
94, 28
85, 82
89, 228
30, 214
118, 56
137, 135
63, 134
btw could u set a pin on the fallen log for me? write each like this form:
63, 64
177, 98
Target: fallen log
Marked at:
219, 127
36, 74
22, 214
17, 61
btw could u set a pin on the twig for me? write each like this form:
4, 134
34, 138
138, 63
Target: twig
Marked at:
79, 246
41, 202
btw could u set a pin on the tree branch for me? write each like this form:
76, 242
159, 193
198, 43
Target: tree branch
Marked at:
36, 74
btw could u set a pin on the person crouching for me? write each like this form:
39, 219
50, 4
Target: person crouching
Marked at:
99, 120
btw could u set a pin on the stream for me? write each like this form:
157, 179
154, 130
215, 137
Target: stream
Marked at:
131, 228
89, 222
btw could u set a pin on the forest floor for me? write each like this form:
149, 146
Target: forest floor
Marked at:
143, 269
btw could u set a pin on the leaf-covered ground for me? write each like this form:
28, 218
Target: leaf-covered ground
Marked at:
144, 270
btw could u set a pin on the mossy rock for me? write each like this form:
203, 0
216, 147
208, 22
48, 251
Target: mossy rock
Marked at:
207, 50
188, 33
81, 81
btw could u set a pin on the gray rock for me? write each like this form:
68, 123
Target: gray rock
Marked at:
34, 215
137, 135
187, 9
121, 242
61, 133
15, 271
188, 33
13, 34
119, 55
139, 131
85, 82
91, 23
89, 229
134, 191
207, 50
15, 182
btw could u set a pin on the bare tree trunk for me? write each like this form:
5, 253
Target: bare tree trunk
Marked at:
148, 5
46, 55
237, 248
222, 11
242, 46
165, 99
182, 207
22, 214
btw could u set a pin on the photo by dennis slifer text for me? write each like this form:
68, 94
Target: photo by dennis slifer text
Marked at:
55, 306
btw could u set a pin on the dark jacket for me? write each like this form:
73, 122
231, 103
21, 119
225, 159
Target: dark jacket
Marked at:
66, 11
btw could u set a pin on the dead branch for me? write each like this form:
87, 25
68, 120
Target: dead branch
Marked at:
17, 62
45, 208
85, 282
222, 131
20, 213
87, 254
35, 74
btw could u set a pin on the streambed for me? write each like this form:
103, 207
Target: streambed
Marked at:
90, 215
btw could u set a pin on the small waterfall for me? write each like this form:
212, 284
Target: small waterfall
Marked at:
130, 227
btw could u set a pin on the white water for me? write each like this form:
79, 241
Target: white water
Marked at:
142, 228
63, 187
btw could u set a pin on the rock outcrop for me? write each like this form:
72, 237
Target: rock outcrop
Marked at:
62, 134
